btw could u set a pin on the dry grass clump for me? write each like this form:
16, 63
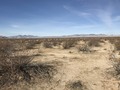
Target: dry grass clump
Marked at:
19, 44
44, 71
113, 40
116, 67
77, 85
22, 44
68, 44
47, 44
10, 66
94, 43
16, 69
20, 71
6, 47
12, 70
31, 43
117, 45
84, 49
115, 70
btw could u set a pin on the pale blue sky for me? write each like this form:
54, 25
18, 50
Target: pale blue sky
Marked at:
59, 17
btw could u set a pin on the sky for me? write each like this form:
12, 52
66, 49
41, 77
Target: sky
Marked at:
59, 17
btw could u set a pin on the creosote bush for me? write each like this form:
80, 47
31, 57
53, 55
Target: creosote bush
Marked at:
10, 66
12, 70
15, 69
84, 49
31, 43
68, 44
93, 43
77, 85
117, 45
47, 44
116, 66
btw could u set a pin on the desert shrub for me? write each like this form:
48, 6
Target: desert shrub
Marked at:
43, 71
30, 44
55, 43
114, 71
117, 45
12, 70
6, 47
94, 42
113, 40
15, 69
10, 65
37, 41
77, 85
68, 44
84, 48
116, 67
112, 56
19, 44
47, 44
20, 69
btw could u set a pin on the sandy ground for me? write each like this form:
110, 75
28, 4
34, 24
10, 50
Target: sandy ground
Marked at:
90, 68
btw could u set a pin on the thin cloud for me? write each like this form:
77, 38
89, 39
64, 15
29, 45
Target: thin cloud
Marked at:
84, 26
106, 17
85, 14
117, 19
14, 26
74, 11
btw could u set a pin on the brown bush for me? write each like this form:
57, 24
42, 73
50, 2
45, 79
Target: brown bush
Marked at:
116, 67
84, 49
30, 44
15, 69
68, 44
10, 66
47, 44
93, 43
12, 70
77, 85
117, 45
19, 69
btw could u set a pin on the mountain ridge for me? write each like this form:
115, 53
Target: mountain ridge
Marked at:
62, 36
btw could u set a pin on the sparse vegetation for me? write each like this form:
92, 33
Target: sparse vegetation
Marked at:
93, 43
47, 44
116, 67
15, 69
84, 49
77, 85
117, 45
68, 44
25, 61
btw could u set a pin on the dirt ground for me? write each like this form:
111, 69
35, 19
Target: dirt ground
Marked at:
89, 68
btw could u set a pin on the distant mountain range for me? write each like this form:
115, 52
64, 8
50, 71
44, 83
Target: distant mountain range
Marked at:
64, 36
24, 36
88, 35
3, 37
